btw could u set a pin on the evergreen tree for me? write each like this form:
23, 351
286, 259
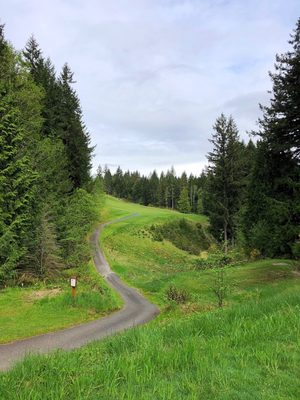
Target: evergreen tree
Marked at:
108, 185
193, 192
271, 222
118, 183
161, 190
17, 181
171, 189
183, 181
44, 76
153, 188
135, 191
224, 179
280, 125
18, 176
199, 202
48, 254
73, 132
184, 202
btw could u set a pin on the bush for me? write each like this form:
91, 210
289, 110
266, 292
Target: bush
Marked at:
214, 260
178, 295
220, 285
255, 254
296, 248
184, 234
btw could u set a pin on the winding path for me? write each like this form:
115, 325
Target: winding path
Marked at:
137, 310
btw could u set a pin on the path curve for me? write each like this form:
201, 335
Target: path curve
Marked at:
136, 311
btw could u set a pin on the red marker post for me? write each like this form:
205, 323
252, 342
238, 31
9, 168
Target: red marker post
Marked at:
73, 282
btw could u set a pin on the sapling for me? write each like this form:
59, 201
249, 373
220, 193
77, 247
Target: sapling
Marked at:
220, 285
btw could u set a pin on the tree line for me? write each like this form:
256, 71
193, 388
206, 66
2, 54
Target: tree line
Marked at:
164, 190
47, 196
251, 192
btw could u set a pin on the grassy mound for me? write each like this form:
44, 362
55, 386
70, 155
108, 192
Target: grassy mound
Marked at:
184, 234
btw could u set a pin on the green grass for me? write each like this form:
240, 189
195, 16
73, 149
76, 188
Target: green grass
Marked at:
248, 349
153, 266
35, 310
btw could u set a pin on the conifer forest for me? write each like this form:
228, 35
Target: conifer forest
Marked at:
47, 195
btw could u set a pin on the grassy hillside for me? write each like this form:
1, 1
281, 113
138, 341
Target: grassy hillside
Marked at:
153, 266
248, 349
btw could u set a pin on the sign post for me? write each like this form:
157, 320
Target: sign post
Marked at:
73, 282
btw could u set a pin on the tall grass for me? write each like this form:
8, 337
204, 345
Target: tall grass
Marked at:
249, 351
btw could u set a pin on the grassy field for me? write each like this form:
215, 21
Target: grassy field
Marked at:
249, 349
153, 266
23, 310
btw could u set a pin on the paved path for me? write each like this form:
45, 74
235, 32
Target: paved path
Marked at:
137, 310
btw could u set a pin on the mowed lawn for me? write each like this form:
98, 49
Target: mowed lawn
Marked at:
247, 350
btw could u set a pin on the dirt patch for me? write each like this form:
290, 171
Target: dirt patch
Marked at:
190, 308
280, 264
40, 294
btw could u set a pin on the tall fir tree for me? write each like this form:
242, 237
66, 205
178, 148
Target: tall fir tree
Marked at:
224, 179
18, 176
184, 202
73, 132
272, 223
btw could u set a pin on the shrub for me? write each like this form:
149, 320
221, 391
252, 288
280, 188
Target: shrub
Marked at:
254, 254
296, 248
214, 260
177, 295
220, 285
184, 234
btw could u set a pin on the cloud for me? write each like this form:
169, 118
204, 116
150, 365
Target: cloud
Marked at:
153, 75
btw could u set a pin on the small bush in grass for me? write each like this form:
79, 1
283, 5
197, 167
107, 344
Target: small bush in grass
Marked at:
220, 285
214, 260
254, 254
296, 248
178, 295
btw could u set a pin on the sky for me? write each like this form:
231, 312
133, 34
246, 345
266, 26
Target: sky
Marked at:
153, 75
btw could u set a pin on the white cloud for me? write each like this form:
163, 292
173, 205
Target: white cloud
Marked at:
153, 75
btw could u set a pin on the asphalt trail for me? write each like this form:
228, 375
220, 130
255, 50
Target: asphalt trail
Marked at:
136, 311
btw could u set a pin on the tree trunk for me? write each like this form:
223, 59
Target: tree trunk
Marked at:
225, 237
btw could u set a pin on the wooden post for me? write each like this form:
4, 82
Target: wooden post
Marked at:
73, 283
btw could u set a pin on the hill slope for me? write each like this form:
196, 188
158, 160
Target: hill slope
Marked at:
247, 350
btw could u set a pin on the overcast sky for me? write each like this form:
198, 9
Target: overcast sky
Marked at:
153, 75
